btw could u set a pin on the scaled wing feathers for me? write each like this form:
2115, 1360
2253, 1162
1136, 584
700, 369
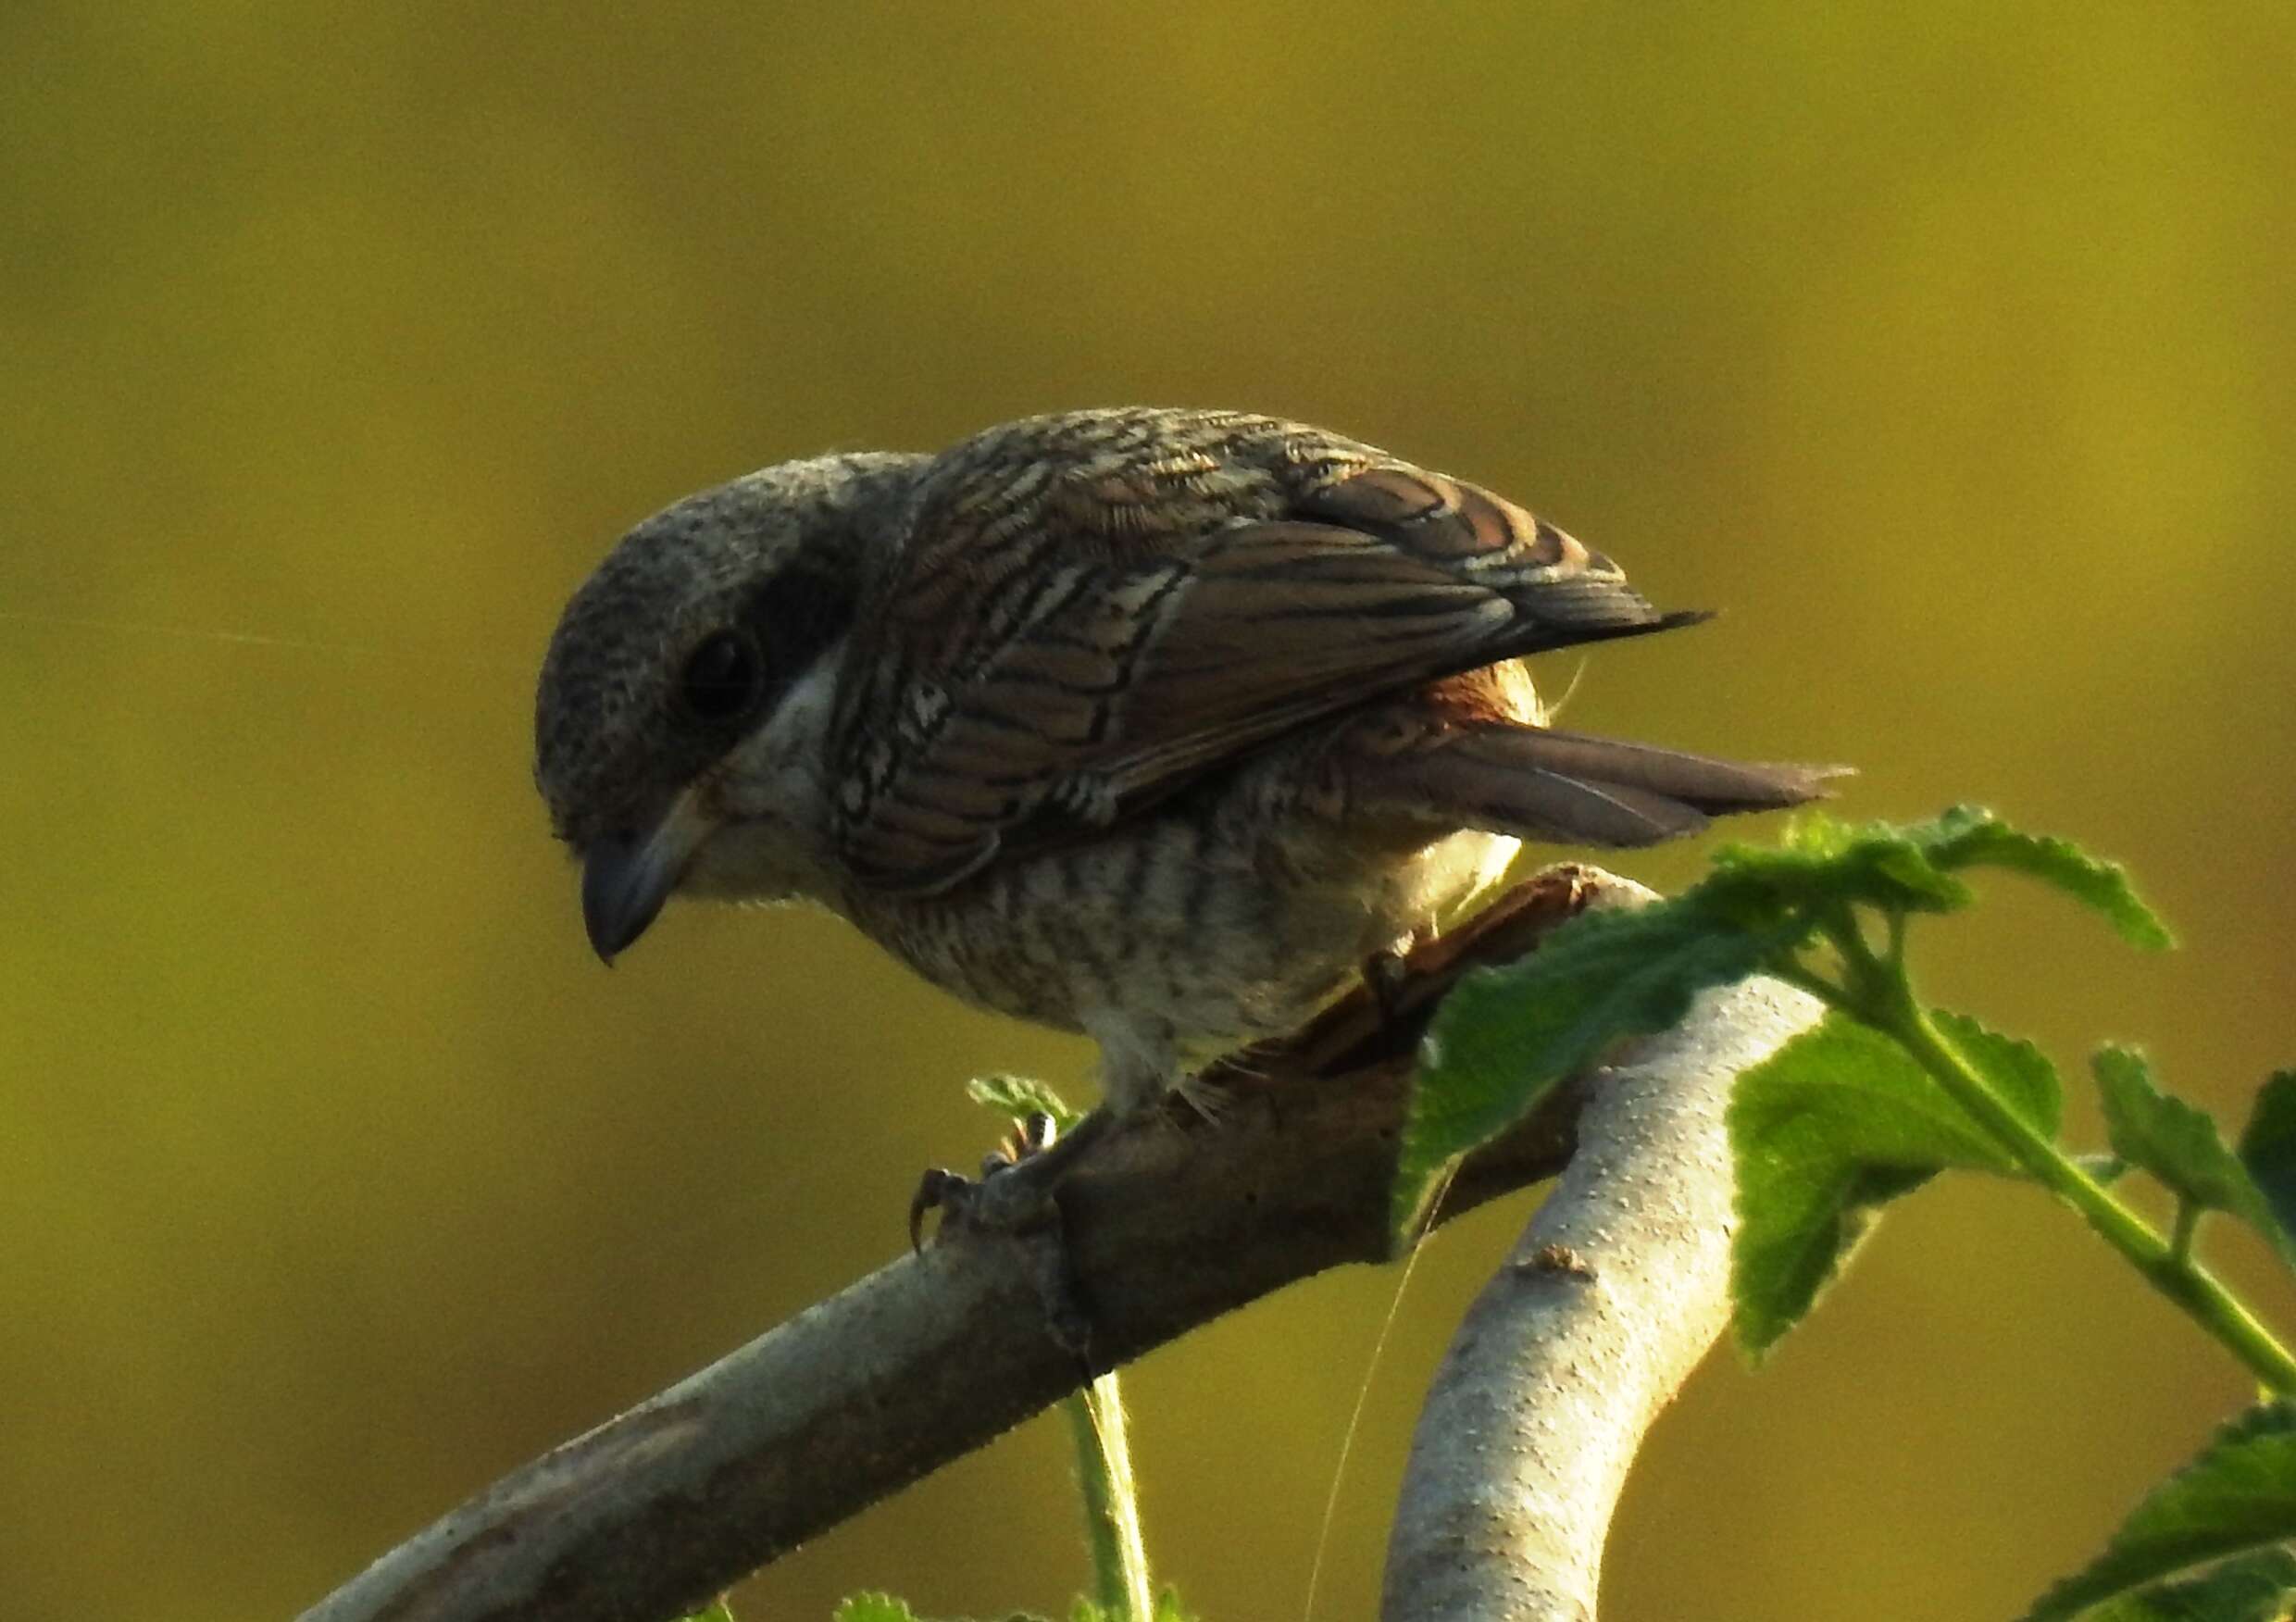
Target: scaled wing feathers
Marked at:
1089, 613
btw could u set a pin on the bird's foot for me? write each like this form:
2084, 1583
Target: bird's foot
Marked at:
1014, 1195
1017, 1184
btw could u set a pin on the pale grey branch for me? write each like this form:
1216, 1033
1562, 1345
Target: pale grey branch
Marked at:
1609, 1299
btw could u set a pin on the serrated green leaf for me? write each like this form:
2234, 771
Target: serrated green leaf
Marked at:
2178, 1142
2237, 1499
2249, 1588
2268, 1147
873, 1608
881, 1607
1019, 1097
1836, 1122
1970, 836
2019, 1071
1507, 1035
1813, 833
1911, 867
1877, 866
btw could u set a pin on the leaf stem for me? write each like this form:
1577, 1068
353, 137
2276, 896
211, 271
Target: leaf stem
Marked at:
1788, 966
2180, 1232
2167, 1265
1111, 1501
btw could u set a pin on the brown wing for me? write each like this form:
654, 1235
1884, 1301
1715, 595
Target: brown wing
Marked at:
1090, 611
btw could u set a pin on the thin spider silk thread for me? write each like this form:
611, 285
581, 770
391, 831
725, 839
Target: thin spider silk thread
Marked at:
1354, 1417
252, 638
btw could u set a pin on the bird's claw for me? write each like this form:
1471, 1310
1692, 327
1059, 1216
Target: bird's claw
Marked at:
1014, 1189
939, 1190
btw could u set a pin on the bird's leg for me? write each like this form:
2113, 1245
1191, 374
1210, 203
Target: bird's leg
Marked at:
1384, 973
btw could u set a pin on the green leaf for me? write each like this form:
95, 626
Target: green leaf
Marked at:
720, 1612
873, 1608
878, 1607
2019, 1072
1826, 865
1970, 836
1019, 1097
2237, 1499
1835, 1123
2249, 1588
1507, 1035
1912, 868
2268, 1147
2177, 1143
1813, 833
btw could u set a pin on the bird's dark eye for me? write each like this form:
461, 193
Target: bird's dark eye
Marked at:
722, 678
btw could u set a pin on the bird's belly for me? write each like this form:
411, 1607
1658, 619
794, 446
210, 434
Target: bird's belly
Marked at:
1180, 938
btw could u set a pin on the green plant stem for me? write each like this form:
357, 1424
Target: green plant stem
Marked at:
1111, 1501
2164, 1265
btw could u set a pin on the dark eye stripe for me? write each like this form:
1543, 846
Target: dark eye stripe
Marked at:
795, 617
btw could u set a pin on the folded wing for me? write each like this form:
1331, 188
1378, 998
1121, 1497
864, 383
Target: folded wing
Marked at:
1092, 612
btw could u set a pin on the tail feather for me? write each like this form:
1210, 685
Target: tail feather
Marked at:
1567, 787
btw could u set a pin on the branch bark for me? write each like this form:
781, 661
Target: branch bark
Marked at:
1610, 1298
1167, 1225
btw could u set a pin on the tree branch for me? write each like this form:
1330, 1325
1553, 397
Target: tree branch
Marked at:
1610, 1298
1167, 1225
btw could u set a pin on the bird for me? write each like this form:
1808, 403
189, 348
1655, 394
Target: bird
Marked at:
1150, 724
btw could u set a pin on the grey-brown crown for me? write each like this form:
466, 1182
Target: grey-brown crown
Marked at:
608, 731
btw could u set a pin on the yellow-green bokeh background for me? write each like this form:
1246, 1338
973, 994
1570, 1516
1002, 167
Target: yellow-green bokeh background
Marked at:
1951, 349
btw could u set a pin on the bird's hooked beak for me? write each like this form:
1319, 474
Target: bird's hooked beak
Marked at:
628, 873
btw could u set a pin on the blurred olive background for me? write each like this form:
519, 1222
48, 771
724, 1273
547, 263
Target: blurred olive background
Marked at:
1953, 356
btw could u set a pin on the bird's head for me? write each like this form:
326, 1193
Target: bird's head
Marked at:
685, 701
